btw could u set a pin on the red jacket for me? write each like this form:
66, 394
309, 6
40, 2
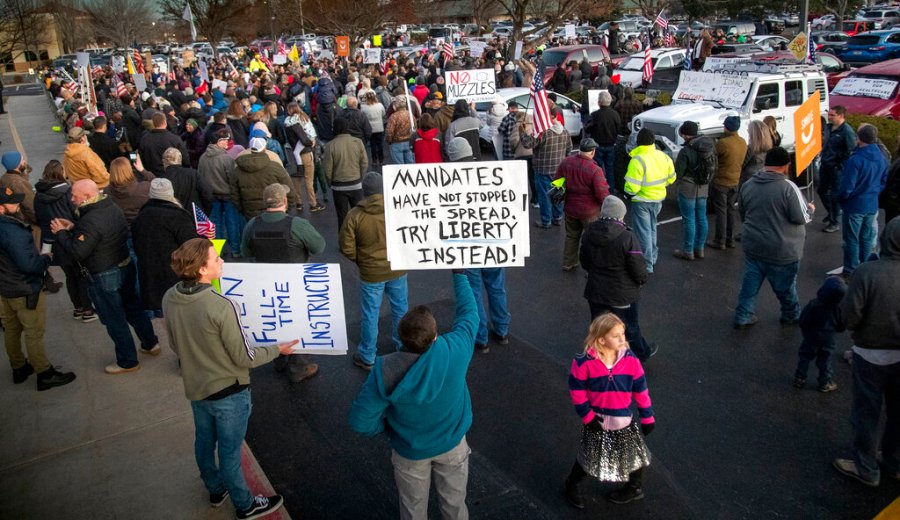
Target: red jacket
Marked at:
420, 92
585, 187
426, 148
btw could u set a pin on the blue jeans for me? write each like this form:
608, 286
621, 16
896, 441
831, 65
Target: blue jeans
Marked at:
859, 233
229, 223
643, 219
223, 423
605, 157
370, 296
118, 305
782, 278
872, 386
549, 211
696, 227
401, 153
494, 281
631, 318
823, 354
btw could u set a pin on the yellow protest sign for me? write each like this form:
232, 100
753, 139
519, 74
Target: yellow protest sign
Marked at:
218, 243
376, 40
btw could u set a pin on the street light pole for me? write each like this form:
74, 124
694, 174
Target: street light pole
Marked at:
804, 16
302, 28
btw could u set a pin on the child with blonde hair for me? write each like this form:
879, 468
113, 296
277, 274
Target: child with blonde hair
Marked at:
603, 382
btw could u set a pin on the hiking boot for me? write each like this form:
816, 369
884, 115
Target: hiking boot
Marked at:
155, 350
482, 348
683, 255
304, 373
500, 340
361, 363
52, 377
698, 254
260, 507
115, 369
625, 495
749, 323
21, 374
716, 245
831, 228
848, 468
217, 499
51, 286
88, 316
573, 496
830, 386
799, 382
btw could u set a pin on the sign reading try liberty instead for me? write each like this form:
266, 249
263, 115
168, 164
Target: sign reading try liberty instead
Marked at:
456, 215
471, 85
278, 303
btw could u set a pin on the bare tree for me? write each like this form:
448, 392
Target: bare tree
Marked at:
651, 8
554, 13
213, 18
72, 24
356, 19
23, 29
121, 22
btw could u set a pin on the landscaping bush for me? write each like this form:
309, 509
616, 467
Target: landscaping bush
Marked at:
888, 129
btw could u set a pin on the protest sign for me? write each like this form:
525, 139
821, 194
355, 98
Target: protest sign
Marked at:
283, 302
83, 59
279, 59
518, 54
372, 56
204, 70
343, 45
476, 49
220, 85
866, 87
376, 40
140, 82
187, 57
593, 95
807, 132
570, 30
730, 91
117, 63
471, 85
456, 215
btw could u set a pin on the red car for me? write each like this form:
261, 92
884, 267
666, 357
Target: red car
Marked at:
870, 90
552, 56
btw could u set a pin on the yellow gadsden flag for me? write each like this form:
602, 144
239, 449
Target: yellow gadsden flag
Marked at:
129, 64
294, 55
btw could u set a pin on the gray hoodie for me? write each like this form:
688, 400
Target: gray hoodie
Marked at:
775, 215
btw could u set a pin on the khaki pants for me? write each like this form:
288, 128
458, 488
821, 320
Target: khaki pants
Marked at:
451, 474
574, 228
309, 175
18, 319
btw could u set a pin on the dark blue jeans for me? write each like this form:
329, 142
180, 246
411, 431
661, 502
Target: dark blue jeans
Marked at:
829, 183
693, 219
223, 423
631, 319
872, 386
229, 223
823, 354
549, 211
605, 157
494, 281
860, 231
116, 299
782, 278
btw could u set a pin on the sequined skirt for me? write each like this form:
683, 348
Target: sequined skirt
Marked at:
611, 456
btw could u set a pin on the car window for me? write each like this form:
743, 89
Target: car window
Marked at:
793, 93
664, 63
595, 54
523, 100
829, 64
563, 103
767, 97
894, 38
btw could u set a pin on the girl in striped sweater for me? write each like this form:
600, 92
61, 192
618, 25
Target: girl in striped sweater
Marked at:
602, 383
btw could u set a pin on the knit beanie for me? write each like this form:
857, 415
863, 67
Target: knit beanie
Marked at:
162, 189
613, 208
458, 148
372, 184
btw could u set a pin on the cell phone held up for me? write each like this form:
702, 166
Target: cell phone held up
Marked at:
132, 156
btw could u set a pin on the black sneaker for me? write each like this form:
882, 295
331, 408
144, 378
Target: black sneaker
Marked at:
830, 386
360, 362
52, 377
22, 373
500, 340
217, 499
261, 507
625, 495
799, 382
482, 348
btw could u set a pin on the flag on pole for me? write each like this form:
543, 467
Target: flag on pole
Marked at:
119, 86
647, 69
541, 114
661, 20
811, 48
447, 51
204, 226
294, 55
138, 62
189, 16
687, 52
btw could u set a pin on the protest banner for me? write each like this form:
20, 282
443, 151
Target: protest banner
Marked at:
728, 90
877, 88
476, 48
284, 302
372, 56
471, 85
456, 215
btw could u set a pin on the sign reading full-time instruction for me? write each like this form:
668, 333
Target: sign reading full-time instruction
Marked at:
471, 85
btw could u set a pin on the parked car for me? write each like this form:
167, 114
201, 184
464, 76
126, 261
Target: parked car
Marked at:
555, 55
570, 109
828, 21
872, 47
854, 27
770, 42
737, 27
737, 48
830, 41
871, 90
881, 18
667, 66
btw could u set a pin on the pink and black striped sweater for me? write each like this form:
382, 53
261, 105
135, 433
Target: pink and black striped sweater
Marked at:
608, 391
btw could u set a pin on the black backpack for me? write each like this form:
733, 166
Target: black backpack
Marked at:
707, 166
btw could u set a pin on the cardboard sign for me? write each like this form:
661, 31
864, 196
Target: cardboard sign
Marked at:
343, 45
372, 56
808, 131
456, 215
187, 57
865, 87
476, 48
728, 90
140, 82
283, 302
471, 85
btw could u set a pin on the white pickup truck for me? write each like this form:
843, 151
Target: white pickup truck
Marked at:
749, 90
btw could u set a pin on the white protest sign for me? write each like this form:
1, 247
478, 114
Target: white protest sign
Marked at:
471, 85
593, 96
284, 302
518, 54
140, 82
729, 90
865, 87
714, 62
220, 85
83, 59
204, 70
570, 30
279, 59
372, 56
476, 49
456, 215
117, 63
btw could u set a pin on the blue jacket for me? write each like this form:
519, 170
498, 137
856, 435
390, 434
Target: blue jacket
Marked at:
865, 174
22, 268
427, 410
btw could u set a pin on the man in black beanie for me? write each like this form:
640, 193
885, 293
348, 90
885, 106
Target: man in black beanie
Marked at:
775, 215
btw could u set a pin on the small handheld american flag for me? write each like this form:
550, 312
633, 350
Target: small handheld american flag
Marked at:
542, 119
647, 69
205, 227
661, 20
447, 51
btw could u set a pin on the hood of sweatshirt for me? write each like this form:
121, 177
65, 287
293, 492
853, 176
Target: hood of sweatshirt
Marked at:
832, 291
557, 128
703, 144
603, 232
49, 192
373, 204
253, 161
427, 134
424, 378
890, 240
765, 177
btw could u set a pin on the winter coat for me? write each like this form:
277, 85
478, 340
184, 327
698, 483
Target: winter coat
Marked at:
21, 267
357, 123
105, 147
345, 161
209, 136
155, 143
398, 127
326, 92
468, 128
836, 147
821, 317
215, 170
494, 117
611, 255
376, 116
549, 148
19, 183
98, 240
134, 127
585, 187
252, 174
730, 151
130, 198
686, 164
81, 162
240, 130
185, 183
863, 178
53, 200
775, 215
363, 240
426, 147
604, 126
195, 144
159, 229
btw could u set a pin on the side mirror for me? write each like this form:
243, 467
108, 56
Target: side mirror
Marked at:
845, 66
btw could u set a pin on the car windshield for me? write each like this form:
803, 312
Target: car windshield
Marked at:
864, 40
867, 85
635, 63
554, 58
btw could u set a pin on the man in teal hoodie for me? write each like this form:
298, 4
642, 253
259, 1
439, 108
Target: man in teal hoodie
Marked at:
419, 395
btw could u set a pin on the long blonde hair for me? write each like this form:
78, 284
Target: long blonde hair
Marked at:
760, 138
600, 327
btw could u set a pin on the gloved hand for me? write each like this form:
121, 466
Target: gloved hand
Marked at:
647, 428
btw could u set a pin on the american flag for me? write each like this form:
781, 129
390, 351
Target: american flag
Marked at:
447, 51
386, 65
687, 54
71, 85
661, 20
204, 226
670, 39
138, 62
97, 71
119, 86
542, 119
811, 53
282, 49
647, 70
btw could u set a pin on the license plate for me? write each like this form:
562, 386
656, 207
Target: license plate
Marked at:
857, 53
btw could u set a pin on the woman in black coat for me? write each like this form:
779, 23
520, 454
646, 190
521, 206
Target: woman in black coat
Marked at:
160, 228
54, 200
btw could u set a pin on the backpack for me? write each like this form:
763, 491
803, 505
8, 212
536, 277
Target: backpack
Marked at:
706, 167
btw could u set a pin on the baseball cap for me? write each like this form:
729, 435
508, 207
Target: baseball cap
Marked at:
257, 144
8, 196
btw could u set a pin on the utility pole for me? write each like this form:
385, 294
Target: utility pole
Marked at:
804, 16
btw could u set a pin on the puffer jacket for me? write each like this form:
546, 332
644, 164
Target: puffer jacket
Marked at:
364, 240
612, 256
21, 267
468, 128
427, 148
252, 174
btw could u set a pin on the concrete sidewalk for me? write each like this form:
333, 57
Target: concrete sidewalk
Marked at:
103, 446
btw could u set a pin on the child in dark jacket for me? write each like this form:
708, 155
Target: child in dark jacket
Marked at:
820, 321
